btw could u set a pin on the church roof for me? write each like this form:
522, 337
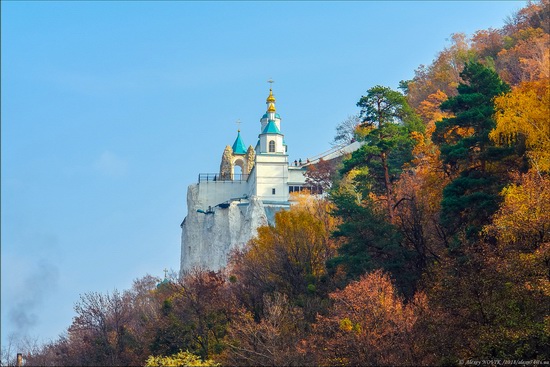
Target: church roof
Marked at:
271, 128
165, 281
238, 145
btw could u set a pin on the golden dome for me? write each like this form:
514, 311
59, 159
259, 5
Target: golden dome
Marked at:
270, 98
271, 108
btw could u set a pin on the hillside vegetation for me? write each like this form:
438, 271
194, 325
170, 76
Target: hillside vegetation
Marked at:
432, 246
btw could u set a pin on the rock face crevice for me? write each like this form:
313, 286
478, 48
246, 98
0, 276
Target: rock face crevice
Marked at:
209, 236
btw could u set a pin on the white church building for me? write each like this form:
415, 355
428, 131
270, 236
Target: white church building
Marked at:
226, 208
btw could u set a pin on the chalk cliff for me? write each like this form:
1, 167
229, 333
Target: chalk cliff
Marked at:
208, 236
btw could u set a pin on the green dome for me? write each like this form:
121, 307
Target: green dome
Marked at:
271, 128
238, 145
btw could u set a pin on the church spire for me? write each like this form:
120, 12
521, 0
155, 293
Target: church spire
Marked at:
238, 146
270, 101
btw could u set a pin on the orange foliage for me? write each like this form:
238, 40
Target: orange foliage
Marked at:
528, 59
487, 43
367, 324
430, 112
425, 179
443, 74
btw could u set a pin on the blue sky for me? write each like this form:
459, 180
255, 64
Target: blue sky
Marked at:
111, 109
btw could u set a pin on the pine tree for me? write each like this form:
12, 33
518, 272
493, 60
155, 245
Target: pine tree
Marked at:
468, 153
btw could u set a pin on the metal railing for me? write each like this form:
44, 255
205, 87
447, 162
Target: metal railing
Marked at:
206, 177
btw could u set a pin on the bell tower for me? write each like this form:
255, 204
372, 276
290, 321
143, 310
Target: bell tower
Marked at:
271, 163
236, 156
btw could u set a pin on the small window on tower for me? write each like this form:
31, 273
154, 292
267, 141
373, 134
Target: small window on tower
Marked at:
273, 191
272, 146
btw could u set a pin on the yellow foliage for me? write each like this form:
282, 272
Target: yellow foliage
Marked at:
522, 227
301, 239
525, 213
362, 130
418, 137
179, 359
526, 111
346, 325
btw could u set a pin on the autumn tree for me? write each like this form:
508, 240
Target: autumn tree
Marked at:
523, 117
419, 190
195, 316
179, 359
320, 175
288, 257
493, 303
443, 73
368, 324
527, 59
271, 341
518, 52
536, 14
524, 217
99, 332
146, 300
487, 44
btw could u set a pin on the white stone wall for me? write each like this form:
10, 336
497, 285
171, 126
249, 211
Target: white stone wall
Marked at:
252, 182
296, 175
212, 193
271, 172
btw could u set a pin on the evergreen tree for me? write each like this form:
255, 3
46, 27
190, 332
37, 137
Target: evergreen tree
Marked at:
388, 121
468, 153
370, 243
371, 239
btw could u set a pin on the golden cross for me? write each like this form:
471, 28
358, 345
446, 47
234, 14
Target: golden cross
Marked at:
270, 81
238, 122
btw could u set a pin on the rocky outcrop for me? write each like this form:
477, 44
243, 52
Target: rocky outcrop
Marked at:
209, 236
226, 166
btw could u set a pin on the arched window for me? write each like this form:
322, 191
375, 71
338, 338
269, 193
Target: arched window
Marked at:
238, 170
272, 146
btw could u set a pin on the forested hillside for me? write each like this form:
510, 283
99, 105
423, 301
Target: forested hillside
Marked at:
432, 246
